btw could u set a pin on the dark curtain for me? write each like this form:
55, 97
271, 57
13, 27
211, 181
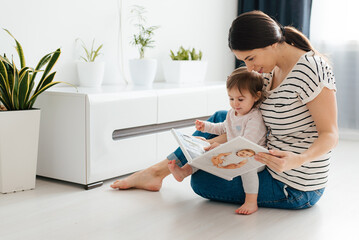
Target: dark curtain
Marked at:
294, 13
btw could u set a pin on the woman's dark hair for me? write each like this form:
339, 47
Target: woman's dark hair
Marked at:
251, 81
256, 29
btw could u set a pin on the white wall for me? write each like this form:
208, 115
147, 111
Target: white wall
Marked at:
41, 26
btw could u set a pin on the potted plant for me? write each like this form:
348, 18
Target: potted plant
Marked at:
186, 66
142, 70
90, 73
19, 121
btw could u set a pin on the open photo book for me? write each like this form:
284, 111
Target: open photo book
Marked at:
227, 161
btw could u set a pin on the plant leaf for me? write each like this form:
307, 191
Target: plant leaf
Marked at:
15, 88
4, 59
4, 93
97, 52
45, 59
2, 81
84, 59
24, 70
23, 89
32, 100
3, 69
55, 56
49, 79
10, 78
19, 50
27, 97
45, 87
88, 55
2, 101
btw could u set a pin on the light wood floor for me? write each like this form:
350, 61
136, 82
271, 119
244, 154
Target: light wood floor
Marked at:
58, 210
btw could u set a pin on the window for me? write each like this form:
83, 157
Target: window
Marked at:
334, 32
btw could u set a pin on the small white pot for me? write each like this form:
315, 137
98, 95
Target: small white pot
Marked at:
143, 71
19, 139
184, 71
90, 73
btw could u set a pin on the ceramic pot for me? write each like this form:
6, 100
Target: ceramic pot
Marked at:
90, 73
19, 139
143, 71
184, 71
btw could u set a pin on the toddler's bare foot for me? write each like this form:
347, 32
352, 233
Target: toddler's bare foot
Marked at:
247, 208
149, 179
179, 173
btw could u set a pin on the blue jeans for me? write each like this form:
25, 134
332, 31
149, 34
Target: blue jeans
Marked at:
272, 193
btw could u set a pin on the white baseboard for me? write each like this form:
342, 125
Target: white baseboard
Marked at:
349, 134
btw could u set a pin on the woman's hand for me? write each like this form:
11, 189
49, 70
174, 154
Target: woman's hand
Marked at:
280, 161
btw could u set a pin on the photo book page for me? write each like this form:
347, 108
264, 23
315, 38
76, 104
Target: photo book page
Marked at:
229, 160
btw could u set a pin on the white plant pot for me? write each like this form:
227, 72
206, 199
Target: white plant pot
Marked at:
143, 71
185, 71
90, 73
19, 139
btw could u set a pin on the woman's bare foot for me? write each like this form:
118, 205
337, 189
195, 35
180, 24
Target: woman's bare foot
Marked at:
247, 208
250, 205
179, 173
148, 179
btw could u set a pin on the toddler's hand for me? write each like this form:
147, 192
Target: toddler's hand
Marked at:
199, 125
202, 138
213, 145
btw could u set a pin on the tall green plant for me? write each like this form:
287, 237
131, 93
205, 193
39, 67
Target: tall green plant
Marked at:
17, 85
143, 39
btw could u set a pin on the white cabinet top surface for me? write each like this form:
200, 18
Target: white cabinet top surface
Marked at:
128, 89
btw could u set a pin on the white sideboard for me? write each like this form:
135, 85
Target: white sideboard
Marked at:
88, 135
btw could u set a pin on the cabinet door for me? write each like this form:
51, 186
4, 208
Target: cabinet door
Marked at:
179, 104
109, 112
106, 113
120, 157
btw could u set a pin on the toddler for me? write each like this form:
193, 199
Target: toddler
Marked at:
245, 91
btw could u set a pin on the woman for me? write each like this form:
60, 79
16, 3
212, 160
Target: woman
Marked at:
300, 114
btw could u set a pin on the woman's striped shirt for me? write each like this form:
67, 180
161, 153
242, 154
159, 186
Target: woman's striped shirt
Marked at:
291, 126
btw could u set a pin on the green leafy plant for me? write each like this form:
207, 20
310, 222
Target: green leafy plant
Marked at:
185, 54
143, 39
91, 54
182, 54
196, 56
16, 85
